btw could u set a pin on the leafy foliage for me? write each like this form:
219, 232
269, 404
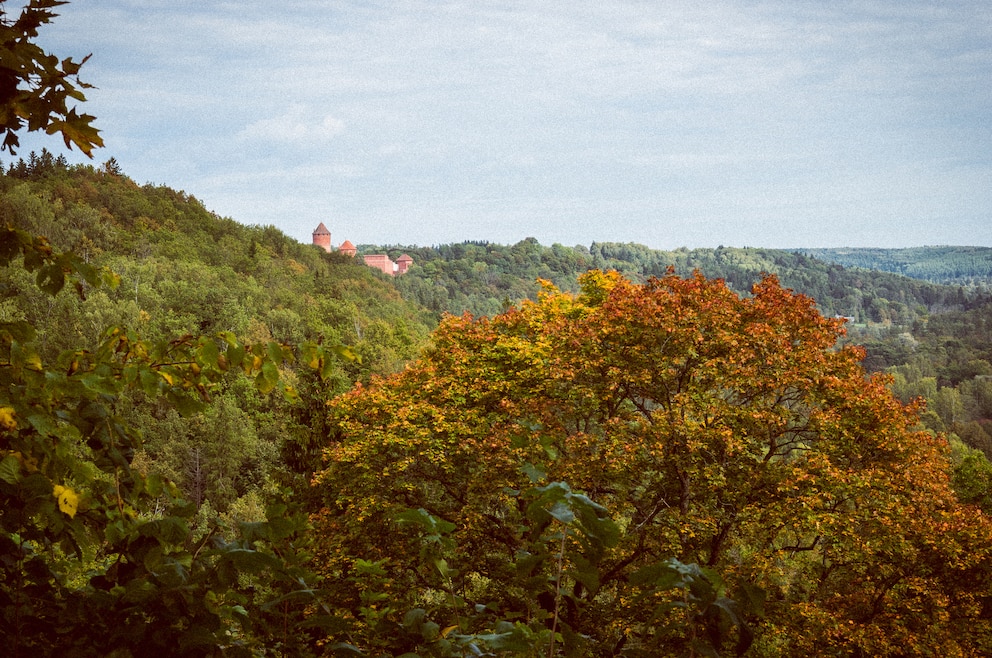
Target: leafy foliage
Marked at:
724, 431
183, 271
641, 470
36, 87
98, 558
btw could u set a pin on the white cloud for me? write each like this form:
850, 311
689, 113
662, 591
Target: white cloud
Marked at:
298, 126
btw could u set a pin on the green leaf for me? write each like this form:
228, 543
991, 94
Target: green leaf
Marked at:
43, 424
22, 332
250, 561
429, 523
753, 599
51, 279
520, 639
208, 353
562, 512
660, 576
345, 353
169, 529
534, 473
10, 244
586, 570
346, 650
414, 618
267, 377
444, 569
275, 352
185, 405
149, 381
430, 630
235, 355
10, 469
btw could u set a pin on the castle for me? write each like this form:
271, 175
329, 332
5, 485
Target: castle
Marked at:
381, 262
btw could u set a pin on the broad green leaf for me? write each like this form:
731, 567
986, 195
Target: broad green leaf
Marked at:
184, 404
10, 469
534, 473
51, 279
43, 424
20, 331
235, 355
267, 377
208, 353
169, 529
562, 512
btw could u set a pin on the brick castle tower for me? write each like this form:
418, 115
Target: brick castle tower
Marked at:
322, 237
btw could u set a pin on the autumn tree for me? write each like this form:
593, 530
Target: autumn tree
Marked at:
725, 432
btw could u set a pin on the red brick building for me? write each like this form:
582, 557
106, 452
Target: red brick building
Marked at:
322, 237
381, 262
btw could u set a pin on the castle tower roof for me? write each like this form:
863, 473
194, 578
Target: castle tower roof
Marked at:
403, 263
322, 237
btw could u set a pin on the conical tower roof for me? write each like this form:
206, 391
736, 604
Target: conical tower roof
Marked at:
321, 230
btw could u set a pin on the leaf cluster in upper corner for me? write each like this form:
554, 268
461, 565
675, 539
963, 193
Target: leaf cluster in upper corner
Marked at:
36, 87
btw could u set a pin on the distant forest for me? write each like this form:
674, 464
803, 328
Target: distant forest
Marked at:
950, 265
481, 278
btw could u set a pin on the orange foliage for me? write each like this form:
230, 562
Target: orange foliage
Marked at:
723, 430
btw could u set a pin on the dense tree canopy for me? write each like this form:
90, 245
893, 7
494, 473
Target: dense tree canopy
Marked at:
720, 430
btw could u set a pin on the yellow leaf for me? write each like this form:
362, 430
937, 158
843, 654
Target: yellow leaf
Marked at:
7, 420
68, 500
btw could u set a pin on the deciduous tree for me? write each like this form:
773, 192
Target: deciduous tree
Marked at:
722, 430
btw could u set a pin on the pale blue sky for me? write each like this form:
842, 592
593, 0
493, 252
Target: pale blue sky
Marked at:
784, 123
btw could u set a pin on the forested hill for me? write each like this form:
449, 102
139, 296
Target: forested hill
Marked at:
184, 270
949, 265
483, 278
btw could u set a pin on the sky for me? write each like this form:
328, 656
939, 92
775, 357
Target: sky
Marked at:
681, 123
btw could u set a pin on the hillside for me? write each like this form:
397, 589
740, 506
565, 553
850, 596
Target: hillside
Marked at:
183, 269
968, 266
183, 272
